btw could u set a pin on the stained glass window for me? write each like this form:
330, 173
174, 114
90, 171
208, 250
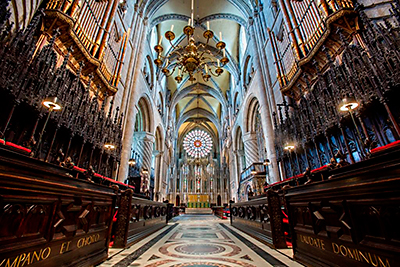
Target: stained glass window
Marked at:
197, 144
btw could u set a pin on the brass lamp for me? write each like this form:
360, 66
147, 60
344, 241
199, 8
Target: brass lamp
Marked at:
52, 103
288, 146
132, 162
109, 146
192, 58
348, 104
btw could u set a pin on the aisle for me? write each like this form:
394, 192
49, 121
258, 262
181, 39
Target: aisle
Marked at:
202, 240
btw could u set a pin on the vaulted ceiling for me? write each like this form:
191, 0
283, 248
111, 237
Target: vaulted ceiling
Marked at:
200, 103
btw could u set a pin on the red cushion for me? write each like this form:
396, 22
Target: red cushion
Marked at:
19, 147
320, 168
385, 147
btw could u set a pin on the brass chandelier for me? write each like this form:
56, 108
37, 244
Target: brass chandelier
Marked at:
192, 58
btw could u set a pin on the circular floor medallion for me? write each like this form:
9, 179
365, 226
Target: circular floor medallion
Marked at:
199, 249
200, 264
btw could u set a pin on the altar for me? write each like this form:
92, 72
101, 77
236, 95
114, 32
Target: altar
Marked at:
198, 201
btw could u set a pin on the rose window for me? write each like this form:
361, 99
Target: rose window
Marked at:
197, 144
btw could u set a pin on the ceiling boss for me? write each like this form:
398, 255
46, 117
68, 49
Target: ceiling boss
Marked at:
192, 58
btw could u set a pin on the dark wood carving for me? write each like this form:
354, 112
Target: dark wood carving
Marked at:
48, 218
137, 218
352, 219
309, 115
261, 218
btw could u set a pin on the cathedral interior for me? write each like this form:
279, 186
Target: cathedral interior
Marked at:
199, 133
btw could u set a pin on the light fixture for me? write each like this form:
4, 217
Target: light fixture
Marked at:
253, 172
192, 58
267, 162
52, 103
288, 146
348, 103
109, 146
145, 171
132, 162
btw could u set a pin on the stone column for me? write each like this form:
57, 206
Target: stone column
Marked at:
145, 142
158, 173
250, 148
265, 112
131, 111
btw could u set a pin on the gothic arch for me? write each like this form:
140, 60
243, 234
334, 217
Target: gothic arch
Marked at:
236, 103
189, 89
202, 112
250, 113
245, 76
146, 111
159, 141
185, 18
148, 71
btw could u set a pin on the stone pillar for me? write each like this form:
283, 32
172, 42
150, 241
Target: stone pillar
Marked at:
158, 174
266, 119
250, 148
131, 111
145, 142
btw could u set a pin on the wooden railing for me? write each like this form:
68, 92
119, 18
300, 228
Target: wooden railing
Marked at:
136, 218
261, 218
48, 218
352, 219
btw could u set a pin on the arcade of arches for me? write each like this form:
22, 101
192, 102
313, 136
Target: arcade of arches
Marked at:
267, 131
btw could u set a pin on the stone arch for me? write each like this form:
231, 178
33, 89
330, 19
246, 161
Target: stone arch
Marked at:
144, 107
250, 113
159, 138
148, 72
236, 102
246, 78
193, 112
160, 102
189, 89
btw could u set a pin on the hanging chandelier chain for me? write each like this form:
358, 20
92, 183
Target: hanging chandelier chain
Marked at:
192, 60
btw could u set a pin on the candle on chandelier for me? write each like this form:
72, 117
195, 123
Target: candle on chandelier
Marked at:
208, 25
159, 42
179, 72
192, 4
189, 21
167, 63
218, 62
220, 36
223, 52
172, 27
206, 69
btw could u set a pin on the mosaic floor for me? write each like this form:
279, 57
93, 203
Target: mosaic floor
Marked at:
199, 240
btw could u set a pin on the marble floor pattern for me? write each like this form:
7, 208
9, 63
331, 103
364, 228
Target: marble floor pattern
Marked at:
199, 240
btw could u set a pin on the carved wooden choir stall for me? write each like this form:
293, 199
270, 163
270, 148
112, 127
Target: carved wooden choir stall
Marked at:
337, 143
60, 143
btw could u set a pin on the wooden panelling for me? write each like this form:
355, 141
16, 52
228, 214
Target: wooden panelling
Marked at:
137, 218
48, 218
352, 219
261, 218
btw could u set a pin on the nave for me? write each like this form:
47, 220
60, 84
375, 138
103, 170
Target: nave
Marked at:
199, 240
